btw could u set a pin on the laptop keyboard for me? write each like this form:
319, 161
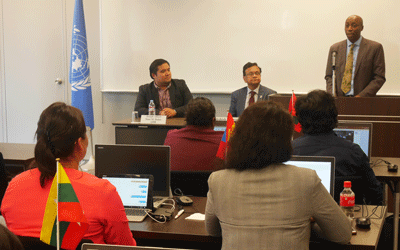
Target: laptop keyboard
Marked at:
135, 212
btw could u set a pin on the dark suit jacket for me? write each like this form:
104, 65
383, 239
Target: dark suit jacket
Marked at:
238, 99
179, 94
369, 71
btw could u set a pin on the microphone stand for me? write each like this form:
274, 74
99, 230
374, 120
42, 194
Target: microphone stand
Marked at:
334, 74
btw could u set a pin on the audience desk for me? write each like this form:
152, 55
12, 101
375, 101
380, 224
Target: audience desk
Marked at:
182, 233
391, 179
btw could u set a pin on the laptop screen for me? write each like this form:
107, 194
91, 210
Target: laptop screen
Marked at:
324, 166
219, 128
136, 159
135, 191
358, 133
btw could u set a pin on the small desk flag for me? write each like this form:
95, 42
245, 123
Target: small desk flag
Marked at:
73, 223
292, 111
79, 72
223, 145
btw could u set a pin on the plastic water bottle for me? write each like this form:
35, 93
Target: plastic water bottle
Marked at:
347, 200
152, 108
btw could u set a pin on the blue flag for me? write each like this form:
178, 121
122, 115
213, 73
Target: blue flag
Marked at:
79, 72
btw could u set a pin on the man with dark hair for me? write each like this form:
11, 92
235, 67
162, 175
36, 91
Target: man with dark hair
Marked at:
195, 146
242, 98
170, 96
360, 63
317, 115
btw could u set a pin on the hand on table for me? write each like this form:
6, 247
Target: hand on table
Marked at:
168, 112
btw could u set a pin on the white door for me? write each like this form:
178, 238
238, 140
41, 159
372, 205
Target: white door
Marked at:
34, 57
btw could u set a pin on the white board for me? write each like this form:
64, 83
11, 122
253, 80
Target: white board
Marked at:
207, 42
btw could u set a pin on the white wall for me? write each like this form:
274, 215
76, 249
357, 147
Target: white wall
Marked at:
207, 42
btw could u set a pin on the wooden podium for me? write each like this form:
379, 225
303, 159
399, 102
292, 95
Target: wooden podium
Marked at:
382, 111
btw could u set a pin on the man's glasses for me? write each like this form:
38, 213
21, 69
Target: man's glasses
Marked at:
253, 73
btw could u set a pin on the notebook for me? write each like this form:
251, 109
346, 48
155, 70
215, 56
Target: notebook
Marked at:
356, 132
323, 165
136, 192
137, 159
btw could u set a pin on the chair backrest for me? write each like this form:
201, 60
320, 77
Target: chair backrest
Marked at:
190, 182
32, 243
115, 247
3, 178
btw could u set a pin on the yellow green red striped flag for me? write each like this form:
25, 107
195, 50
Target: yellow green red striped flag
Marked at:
73, 223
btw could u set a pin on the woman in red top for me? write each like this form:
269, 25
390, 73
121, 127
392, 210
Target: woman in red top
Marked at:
61, 133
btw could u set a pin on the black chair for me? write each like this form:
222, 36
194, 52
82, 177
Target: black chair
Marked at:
3, 178
192, 183
32, 243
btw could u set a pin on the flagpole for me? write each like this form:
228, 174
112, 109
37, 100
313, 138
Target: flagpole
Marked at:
292, 101
91, 140
58, 221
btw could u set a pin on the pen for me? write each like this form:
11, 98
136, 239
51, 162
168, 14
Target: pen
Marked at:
179, 213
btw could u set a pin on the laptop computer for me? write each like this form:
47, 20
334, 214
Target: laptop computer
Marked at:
357, 132
137, 159
323, 165
136, 192
92, 246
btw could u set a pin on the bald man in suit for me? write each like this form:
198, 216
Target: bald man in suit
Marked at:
368, 71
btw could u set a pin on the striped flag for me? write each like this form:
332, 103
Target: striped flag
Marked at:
230, 126
79, 71
72, 221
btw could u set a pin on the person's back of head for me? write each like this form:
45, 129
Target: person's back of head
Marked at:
59, 127
317, 112
200, 112
262, 136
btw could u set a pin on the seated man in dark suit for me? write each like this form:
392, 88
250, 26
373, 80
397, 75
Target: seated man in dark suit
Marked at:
317, 115
242, 98
169, 95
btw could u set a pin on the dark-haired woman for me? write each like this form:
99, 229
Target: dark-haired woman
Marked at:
260, 203
61, 133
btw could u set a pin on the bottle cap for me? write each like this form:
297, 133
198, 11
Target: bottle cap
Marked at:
347, 184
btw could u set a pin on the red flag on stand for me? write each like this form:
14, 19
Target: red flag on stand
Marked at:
230, 125
292, 111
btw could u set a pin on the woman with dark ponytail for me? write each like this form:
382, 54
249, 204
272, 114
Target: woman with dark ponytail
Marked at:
61, 133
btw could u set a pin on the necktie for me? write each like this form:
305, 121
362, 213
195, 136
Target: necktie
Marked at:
251, 100
348, 71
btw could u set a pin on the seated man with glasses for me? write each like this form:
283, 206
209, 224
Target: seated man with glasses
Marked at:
242, 98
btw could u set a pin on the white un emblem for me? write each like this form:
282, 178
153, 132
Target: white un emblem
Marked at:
79, 73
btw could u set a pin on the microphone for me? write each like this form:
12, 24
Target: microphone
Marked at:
334, 73
333, 59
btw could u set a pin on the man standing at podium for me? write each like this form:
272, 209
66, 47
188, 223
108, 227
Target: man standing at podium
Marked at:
242, 98
169, 95
360, 63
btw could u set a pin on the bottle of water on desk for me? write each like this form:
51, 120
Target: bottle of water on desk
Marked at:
152, 108
347, 200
